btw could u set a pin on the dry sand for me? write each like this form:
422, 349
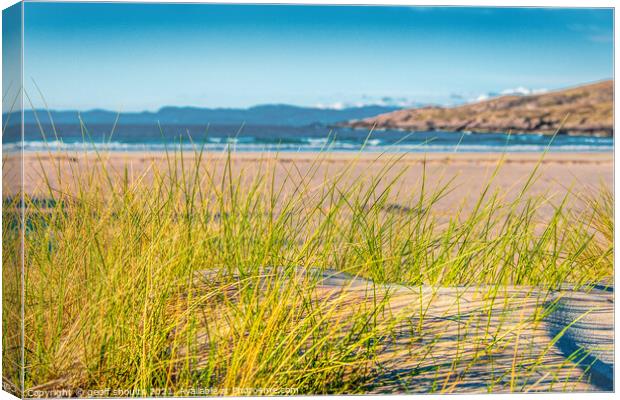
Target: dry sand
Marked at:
558, 173
476, 339
532, 359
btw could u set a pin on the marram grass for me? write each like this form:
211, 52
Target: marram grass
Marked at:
190, 279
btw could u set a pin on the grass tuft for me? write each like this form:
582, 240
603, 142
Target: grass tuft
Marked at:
197, 276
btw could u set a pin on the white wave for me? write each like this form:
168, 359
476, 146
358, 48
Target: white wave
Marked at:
317, 141
310, 145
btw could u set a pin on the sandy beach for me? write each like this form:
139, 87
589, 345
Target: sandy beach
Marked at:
557, 174
503, 302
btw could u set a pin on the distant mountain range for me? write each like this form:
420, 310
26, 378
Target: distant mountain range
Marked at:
272, 115
581, 110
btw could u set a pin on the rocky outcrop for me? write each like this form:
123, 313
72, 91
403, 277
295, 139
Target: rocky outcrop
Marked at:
583, 110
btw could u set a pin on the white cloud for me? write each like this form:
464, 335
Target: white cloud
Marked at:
523, 91
366, 100
482, 97
405, 102
517, 91
333, 106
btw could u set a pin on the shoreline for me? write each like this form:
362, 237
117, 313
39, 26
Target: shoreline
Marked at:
582, 157
586, 133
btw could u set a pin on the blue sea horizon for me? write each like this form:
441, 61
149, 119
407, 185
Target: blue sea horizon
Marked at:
312, 138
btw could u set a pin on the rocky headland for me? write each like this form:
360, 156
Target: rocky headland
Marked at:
583, 110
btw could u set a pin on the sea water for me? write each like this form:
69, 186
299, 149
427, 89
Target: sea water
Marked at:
248, 138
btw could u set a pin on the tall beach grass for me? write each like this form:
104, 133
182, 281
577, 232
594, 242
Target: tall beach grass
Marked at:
198, 274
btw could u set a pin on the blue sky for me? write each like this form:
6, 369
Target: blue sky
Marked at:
11, 59
133, 57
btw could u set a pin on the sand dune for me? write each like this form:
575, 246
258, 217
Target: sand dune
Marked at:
478, 338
